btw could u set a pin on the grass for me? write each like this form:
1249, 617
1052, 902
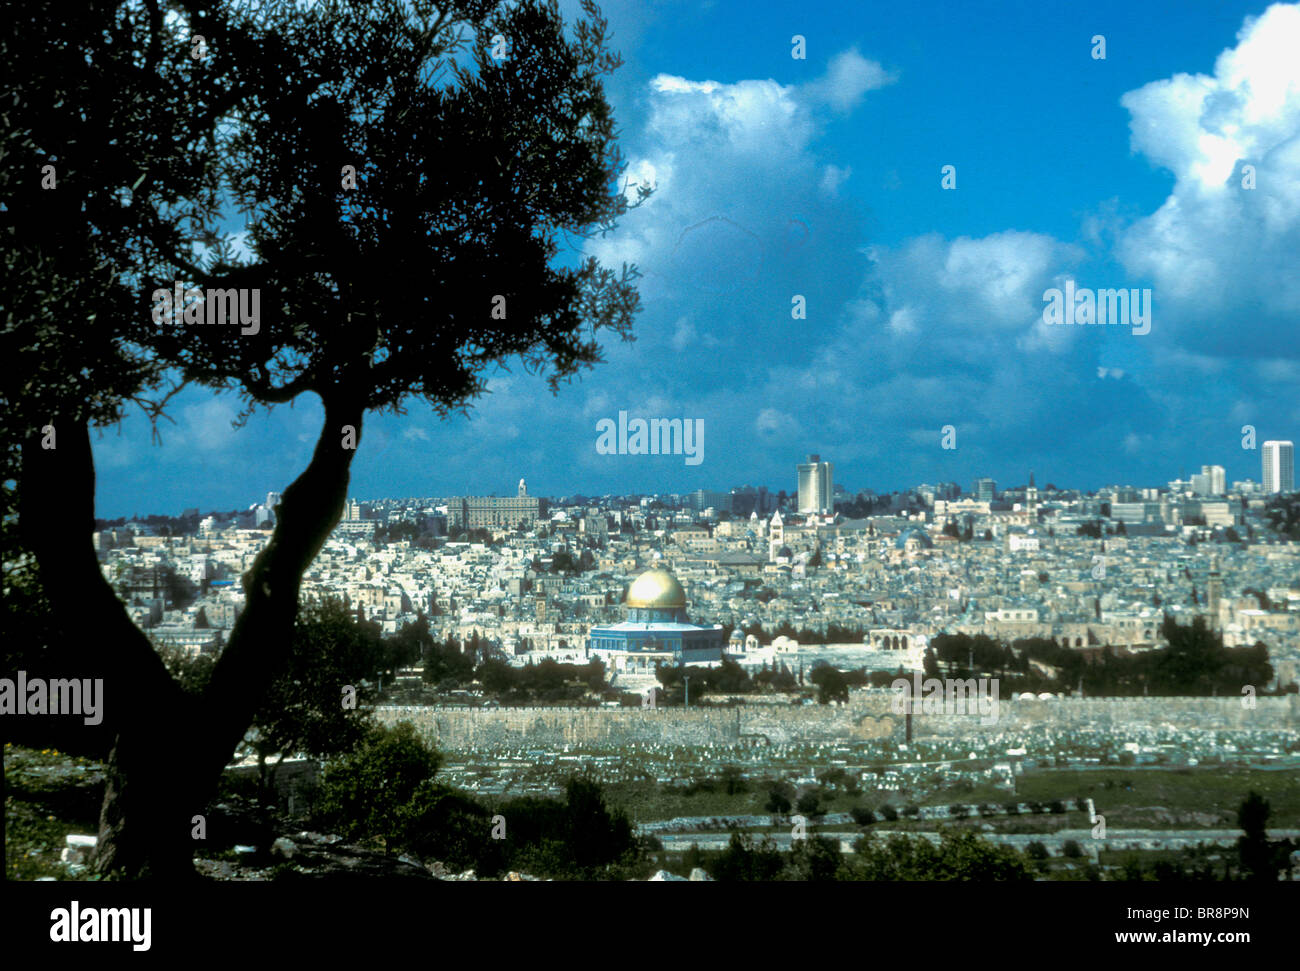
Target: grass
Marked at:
649, 801
48, 796
1156, 794
1129, 798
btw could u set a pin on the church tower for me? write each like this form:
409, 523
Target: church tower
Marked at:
776, 535
1031, 499
523, 488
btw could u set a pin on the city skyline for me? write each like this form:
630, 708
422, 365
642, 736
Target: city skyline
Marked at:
1223, 484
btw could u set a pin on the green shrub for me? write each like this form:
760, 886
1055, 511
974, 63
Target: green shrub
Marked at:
371, 793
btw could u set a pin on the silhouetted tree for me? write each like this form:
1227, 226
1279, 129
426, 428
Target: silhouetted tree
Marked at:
410, 282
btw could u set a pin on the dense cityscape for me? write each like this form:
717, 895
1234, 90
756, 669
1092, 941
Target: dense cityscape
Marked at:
814, 597
885, 574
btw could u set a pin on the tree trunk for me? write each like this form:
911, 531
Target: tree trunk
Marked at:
140, 704
167, 749
153, 792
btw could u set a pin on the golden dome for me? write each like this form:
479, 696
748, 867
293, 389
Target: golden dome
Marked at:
656, 589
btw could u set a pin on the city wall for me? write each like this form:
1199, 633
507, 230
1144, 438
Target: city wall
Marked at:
867, 716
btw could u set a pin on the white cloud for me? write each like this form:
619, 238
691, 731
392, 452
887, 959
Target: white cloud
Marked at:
732, 163
1215, 248
749, 118
848, 77
966, 287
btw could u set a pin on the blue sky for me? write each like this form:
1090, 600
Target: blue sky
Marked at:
822, 177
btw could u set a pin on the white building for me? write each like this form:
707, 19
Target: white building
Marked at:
1021, 541
816, 486
1210, 481
1279, 467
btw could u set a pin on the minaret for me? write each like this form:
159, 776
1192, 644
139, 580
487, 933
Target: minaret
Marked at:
1031, 499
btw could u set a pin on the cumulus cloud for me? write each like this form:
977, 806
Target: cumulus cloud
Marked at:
964, 292
1222, 256
738, 181
760, 120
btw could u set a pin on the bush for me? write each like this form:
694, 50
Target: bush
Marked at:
1072, 849
732, 780
1037, 851
578, 838
862, 815
1057, 807
1012, 808
810, 803
780, 798
692, 858
816, 859
960, 856
746, 859
890, 813
371, 793
833, 777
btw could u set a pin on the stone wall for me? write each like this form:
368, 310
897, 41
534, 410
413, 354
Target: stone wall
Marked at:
867, 716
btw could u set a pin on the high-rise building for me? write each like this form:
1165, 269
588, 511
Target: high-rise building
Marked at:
815, 486
1218, 478
985, 490
1210, 481
1279, 467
